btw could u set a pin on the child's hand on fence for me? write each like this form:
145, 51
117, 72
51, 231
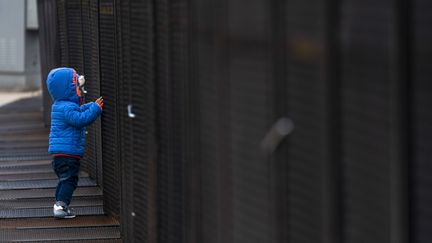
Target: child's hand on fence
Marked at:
99, 102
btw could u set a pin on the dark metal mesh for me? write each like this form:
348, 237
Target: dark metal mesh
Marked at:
90, 28
421, 122
47, 202
138, 134
207, 79
233, 118
85, 241
215, 207
171, 67
44, 223
62, 33
109, 90
47, 235
49, 49
304, 152
34, 184
127, 161
74, 35
366, 121
246, 108
46, 212
76, 42
38, 193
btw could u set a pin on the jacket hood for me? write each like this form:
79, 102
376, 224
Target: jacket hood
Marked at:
62, 84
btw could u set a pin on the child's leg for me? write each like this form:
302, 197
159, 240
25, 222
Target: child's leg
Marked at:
67, 170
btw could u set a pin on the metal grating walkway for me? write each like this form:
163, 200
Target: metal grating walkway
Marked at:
27, 186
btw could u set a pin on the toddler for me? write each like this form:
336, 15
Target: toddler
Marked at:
69, 117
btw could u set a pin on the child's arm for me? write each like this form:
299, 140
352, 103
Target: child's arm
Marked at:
75, 117
99, 102
85, 106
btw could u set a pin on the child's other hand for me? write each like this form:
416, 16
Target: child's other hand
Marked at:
99, 102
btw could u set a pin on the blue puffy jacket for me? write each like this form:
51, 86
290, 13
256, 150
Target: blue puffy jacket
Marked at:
68, 118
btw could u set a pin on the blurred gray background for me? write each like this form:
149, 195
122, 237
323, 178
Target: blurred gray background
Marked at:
19, 46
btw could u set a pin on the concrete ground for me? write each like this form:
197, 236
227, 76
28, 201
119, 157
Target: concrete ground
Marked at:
9, 97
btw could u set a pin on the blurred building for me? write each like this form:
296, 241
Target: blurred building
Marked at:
19, 45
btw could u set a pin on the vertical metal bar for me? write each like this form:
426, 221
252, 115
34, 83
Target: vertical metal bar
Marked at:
117, 115
63, 36
127, 214
49, 48
108, 69
193, 191
225, 180
279, 165
400, 127
331, 221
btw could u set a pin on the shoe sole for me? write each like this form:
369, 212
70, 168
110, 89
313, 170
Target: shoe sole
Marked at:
66, 217
63, 216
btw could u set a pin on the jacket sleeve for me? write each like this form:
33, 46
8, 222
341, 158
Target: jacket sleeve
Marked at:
75, 117
85, 106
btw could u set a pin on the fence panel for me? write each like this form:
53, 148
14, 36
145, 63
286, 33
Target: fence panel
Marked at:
109, 90
233, 73
191, 89
421, 196
306, 104
63, 33
366, 93
138, 132
90, 49
170, 79
247, 110
74, 35
50, 49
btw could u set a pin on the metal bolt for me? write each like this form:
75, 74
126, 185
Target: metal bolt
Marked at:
129, 110
277, 133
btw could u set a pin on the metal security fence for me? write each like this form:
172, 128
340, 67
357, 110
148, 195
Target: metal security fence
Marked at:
138, 120
62, 33
366, 150
170, 85
108, 37
50, 56
77, 38
295, 121
420, 120
91, 70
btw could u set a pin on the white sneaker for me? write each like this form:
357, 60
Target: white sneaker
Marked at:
62, 211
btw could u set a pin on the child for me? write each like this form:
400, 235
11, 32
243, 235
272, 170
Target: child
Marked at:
67, 136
